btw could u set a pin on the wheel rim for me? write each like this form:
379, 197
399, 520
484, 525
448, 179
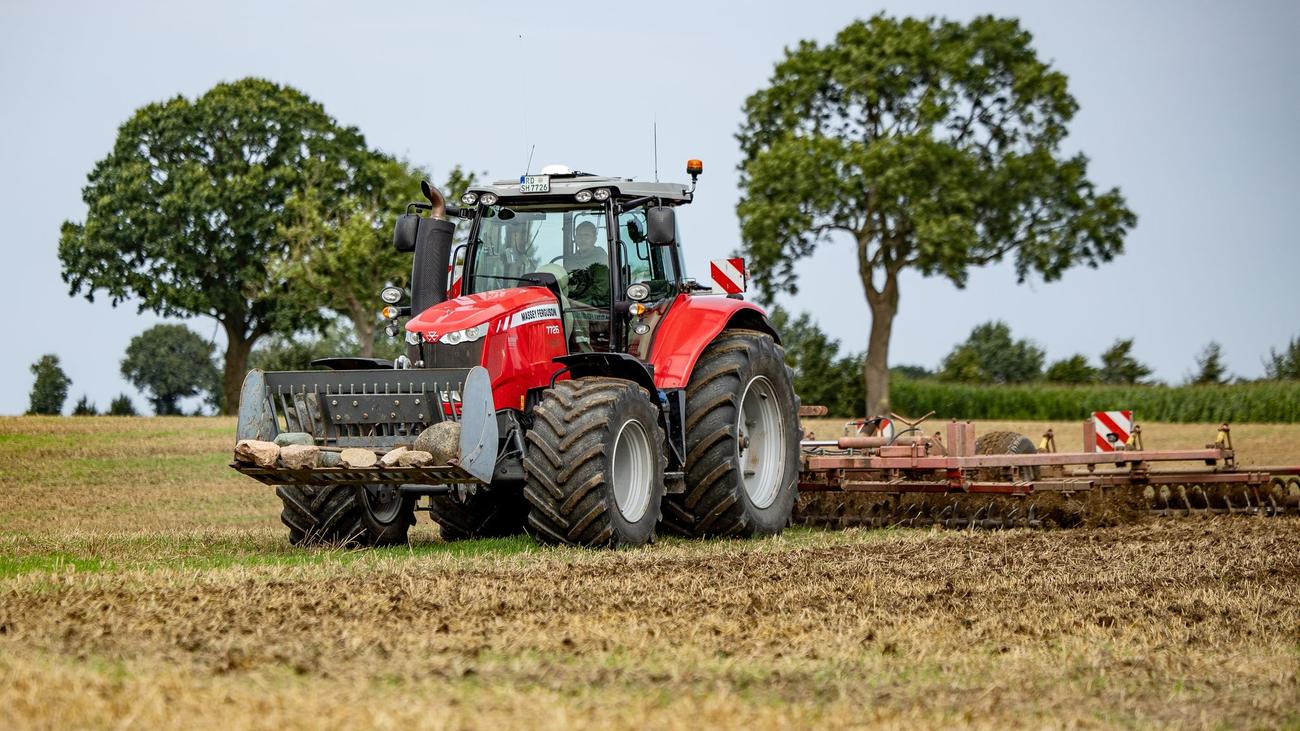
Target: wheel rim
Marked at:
760, 443
630, 470
383, 502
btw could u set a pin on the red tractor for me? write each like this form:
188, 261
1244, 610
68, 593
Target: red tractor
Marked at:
599, 394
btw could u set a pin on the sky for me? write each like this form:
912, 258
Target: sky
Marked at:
1191, 108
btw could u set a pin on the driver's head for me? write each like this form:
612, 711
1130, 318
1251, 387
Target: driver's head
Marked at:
585, 235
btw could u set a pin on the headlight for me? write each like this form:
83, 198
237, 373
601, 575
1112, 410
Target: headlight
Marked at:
468, 335
488, 199
638, 292
391, 295
583, 196
469, 199
412, 338
601, 194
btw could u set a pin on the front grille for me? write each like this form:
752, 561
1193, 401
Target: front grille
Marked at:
464, 355
371, 408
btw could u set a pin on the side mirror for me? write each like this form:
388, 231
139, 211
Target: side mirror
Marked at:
661, 226
404, 232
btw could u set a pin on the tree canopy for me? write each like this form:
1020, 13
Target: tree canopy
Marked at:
1210, 369
341, 251
50, 389
1119, 366
931, 145
991, 355
1075, 370
169, 363
184, 212
1284, 365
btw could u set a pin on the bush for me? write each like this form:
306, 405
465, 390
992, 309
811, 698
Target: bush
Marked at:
121, 406
84, 407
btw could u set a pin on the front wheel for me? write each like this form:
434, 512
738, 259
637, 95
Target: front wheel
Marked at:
594, 468
742, 441
355, 515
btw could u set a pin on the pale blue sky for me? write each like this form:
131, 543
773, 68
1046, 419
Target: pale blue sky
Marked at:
1191, 108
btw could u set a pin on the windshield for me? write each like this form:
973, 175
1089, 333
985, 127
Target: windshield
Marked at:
513, 242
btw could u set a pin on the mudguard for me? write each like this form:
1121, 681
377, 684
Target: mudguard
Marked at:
688, 328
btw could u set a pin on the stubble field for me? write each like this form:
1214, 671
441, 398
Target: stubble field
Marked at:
144, 584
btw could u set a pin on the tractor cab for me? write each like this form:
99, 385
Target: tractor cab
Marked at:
608, 244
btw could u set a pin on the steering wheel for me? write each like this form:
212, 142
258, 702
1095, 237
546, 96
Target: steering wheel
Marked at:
579, 282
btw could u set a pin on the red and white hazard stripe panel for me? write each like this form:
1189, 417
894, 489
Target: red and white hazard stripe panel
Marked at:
1114, 428
728, 275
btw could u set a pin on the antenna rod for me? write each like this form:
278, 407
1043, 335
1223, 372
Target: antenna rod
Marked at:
656, 133
528, 165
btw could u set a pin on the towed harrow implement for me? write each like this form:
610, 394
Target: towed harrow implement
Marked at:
1001, 479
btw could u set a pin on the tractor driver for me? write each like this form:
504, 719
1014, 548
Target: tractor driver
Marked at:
588, 268
586, 252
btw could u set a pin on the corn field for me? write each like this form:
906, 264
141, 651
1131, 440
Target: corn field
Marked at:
1261, 402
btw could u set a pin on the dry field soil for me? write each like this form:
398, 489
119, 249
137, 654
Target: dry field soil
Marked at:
143, 584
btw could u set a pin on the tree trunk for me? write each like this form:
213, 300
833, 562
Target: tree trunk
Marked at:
365, 327
884, 305
238, 346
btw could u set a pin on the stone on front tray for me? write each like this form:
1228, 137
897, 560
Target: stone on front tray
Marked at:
284, 439
329, 459
256, 452
415, 458
442, 440
299, 456
390, 459
357, 457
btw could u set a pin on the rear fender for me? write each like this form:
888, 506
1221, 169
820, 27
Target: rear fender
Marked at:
688, 328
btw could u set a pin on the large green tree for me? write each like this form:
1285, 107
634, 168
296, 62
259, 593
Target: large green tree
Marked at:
184, 212
169, 363
931, 145
341, 251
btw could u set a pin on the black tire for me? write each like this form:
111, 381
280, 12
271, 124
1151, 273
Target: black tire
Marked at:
569, 464
716, 501
1005, 442
345, 515
490, 513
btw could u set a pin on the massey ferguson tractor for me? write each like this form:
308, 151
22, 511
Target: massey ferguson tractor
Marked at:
571, 382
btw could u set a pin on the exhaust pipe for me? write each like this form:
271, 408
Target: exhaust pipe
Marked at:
432, 253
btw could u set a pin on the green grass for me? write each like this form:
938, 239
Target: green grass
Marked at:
128, 552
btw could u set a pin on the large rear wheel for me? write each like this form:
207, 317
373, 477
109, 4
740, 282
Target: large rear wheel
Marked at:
594, 468
742, 441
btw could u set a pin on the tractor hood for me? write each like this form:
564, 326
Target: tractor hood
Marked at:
473, 310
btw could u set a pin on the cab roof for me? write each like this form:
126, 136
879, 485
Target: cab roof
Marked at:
566, 185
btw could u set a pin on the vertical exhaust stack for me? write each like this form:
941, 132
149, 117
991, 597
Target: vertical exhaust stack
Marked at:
432, 253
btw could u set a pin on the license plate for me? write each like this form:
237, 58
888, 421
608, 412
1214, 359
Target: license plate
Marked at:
534, 184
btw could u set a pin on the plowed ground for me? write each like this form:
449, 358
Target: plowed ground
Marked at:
134, 600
